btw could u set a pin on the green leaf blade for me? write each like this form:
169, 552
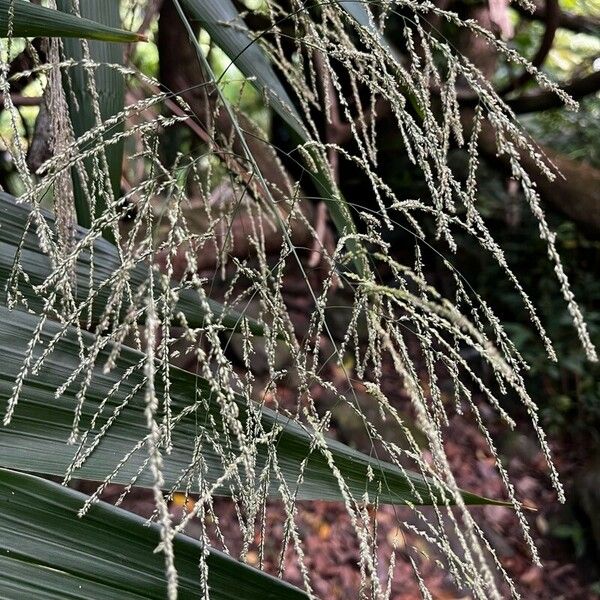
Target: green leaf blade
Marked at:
32, 20
110, 90
48, 552
223, 23
36, 438
36, 265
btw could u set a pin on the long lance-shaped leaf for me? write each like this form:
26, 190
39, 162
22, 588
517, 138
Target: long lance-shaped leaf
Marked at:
48, 553
35, 439
17, 238
225, 26
110, 94
223, 23
25, 19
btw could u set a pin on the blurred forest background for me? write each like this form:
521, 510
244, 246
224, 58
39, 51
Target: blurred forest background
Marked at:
563, 38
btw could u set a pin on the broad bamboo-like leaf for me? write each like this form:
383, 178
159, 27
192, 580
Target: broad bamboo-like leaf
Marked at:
36, 438
48, 553
32, 20
37, 266
223, 23
110, 90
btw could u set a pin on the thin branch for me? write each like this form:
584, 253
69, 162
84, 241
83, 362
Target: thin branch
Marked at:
552, 14
19, 100
575, 191
545, 100
570, 21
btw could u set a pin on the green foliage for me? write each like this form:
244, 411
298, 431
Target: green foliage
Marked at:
53, 554
93, 335
571, 388
574, 134
95, 96
114, 423
94, 280
25, 19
